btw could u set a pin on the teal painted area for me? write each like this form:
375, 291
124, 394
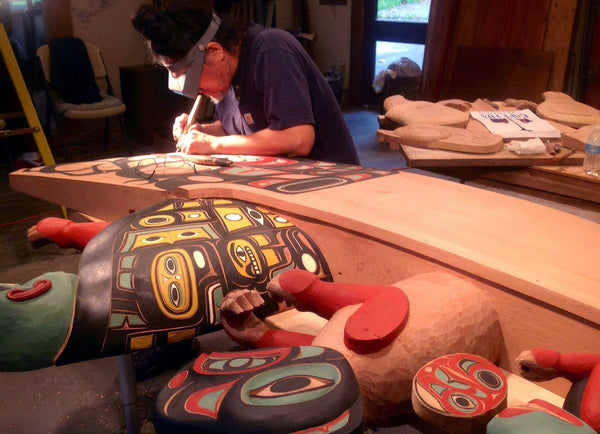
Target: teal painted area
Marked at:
218, 301
536, 422
438, 389
480, 393
317, 371
210, 400
257, 362
308, 352
342, 423
135, 320
125, 280
218, 365
127, 261
239, 362
33, 331
128, 242
465, 364
116, 320
443, 377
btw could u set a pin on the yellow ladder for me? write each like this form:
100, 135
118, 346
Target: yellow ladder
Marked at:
33, 121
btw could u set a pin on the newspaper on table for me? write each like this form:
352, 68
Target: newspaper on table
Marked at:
517, 124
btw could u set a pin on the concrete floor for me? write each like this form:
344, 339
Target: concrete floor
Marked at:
84, 397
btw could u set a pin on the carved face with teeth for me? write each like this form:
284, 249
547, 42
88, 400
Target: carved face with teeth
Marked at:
169, 266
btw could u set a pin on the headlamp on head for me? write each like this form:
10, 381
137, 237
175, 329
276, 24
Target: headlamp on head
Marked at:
187, 83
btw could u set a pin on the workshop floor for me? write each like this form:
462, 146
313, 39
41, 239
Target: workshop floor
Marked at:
84, 397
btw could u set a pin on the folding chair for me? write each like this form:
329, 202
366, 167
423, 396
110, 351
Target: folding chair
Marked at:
109, 105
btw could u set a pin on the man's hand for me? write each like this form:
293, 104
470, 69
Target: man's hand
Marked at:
179, 126
196, 142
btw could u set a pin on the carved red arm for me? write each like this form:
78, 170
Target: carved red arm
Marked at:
67, 233
574, 367
373, 326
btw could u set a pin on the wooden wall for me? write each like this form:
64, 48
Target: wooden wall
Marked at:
57, 18
525, 26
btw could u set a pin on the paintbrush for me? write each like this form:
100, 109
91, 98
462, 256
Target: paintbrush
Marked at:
190, 120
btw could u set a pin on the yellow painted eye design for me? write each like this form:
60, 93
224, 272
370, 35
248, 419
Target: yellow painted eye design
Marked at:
244, 258
173, 280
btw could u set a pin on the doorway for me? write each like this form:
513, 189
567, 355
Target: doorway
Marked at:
389, 31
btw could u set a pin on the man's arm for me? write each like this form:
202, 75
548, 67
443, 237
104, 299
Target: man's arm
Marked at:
213, 128
294, 141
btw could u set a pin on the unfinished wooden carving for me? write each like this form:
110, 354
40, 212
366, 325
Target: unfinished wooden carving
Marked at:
392, 101
446, 315
418, 112
560, 107
441, 137
576, 139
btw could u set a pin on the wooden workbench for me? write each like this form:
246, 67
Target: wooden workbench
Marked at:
426, 158
559, 174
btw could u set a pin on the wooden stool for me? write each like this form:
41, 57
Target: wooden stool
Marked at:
459, 392
273, 390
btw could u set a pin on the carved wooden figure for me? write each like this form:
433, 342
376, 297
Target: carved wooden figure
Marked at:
536, 416
275, 390
419, 112
366, 324
66, 233
560, 107
459, 393
154, 277
379, 227
442, 137
576, 139
541, 364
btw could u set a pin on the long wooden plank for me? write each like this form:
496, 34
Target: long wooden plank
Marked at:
538, 265
421, 157
427, 215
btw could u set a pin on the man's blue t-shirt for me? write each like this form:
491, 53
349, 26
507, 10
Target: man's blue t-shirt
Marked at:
278, 86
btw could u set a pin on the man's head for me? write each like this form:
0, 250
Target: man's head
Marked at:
199, 49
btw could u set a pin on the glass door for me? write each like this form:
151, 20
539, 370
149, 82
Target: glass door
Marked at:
393, 29
400, 11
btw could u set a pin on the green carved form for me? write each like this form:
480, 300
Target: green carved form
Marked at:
34, 330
